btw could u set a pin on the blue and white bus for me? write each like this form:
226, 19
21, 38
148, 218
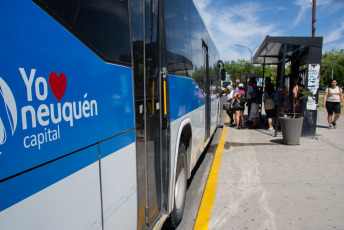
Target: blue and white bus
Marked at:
105, 108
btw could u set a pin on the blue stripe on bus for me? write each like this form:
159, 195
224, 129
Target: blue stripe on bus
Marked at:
23, 186
190, 99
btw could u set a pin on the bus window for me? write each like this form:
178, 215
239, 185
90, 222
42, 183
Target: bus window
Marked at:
178, 47
103, 25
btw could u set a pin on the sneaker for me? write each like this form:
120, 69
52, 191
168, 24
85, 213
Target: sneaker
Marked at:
243, 126
237, 127
334, 125
330, 127
271, 128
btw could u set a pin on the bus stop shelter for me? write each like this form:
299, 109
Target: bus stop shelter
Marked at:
303, 54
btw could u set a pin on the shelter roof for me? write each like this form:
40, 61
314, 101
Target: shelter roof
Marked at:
270, 51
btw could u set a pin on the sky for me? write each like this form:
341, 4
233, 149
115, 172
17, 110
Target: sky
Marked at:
248, 22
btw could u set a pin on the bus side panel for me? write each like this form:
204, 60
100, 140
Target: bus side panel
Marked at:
71, 203
190, 104
119, 189
59, 96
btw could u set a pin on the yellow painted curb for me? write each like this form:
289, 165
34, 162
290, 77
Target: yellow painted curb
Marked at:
203, 217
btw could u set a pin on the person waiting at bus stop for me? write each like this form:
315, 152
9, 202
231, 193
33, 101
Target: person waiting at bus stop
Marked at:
238, 105
249, 90
230, 95
269, 104
255, 101
297, 96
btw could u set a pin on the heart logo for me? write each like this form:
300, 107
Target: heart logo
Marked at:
58, 84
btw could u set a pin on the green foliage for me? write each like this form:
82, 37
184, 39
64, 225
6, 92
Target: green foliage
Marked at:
306, 93
237, 68
332, 60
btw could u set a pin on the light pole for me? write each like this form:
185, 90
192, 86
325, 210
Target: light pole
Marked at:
314, 6
332, 71
251, 51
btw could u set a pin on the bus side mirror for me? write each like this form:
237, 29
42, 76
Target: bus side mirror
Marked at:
223, 75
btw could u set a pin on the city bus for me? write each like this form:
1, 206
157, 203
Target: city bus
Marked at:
225, 84
106, 106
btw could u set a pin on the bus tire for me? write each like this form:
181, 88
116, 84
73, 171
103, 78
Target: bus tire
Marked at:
180, 186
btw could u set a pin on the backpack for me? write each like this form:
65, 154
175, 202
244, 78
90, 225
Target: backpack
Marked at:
258, 98
269, 104
242, 99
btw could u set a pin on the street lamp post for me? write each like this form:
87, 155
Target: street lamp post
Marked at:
314, 6
332, 71
251, 51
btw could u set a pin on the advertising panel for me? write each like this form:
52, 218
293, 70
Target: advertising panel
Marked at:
313, 85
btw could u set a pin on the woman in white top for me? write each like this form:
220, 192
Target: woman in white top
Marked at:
230, 95
333, 99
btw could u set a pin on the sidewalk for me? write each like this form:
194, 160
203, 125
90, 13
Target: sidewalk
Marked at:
264, 184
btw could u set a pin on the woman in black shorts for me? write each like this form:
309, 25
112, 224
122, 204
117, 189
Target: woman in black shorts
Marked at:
270, 112
333, 99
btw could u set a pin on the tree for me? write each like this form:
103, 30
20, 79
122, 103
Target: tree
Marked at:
237, 68
240, 67
269, 71
332, 61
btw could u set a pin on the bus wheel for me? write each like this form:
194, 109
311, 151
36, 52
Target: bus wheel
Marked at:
180, 189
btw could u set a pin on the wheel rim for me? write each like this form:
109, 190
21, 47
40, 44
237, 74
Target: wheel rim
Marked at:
180, 186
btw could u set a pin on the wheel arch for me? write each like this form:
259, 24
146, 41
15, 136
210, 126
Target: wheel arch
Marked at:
184, 136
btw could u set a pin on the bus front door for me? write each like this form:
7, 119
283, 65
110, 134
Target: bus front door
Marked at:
147, 109
153, 111
207, 90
